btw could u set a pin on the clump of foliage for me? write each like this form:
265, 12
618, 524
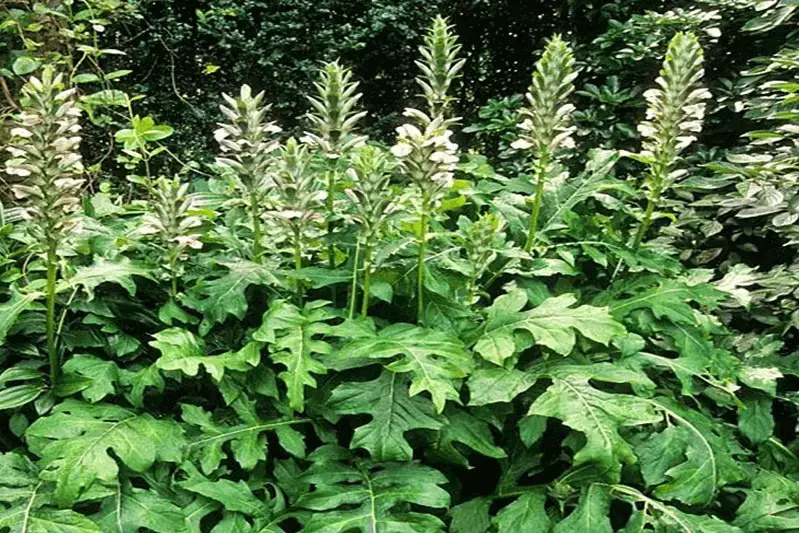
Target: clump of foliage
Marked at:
329, 333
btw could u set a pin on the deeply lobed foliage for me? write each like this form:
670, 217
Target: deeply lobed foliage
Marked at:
331, 334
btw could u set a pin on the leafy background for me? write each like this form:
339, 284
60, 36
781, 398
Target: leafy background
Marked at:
224, 393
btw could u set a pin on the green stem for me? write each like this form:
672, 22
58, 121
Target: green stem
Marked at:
257, 250
650, 209
298, 263
52, 349
331, 250
420, 258
354, 289
470, 290
543, 164
367, 278
172, 266
651, 203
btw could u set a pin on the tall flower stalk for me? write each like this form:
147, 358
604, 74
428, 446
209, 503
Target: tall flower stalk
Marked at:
427, 155
334, 117
674, 115
424, 149
44, 148
482, 241
440, 66
546, 119
299, 199
174, 220
246, 142
373, 205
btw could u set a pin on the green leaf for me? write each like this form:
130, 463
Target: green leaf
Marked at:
226, 296
233, 495
591, 514
247, 438
319, 277
393, 413
553, 324
498, 384
234, 523
434, 358
120, 272
22, 520
103, 375
471, 517
568, 193
85, 78
661, 452
666, 518
19, 395
669, 300
26, 502
596, 414
171, 312
75, 440
10, 310
755, 419
771, 505
526, 514
292, 335
25, 65
466, 429
363, 498
131, 509
139, 381
699, 458
181, 350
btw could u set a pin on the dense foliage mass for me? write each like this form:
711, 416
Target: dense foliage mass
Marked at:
575, 314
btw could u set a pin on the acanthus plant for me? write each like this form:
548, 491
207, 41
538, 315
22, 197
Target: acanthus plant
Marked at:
46, 159
374, 205
334, 119
246, 142
426, 153
176, 222
546, 128
232, 400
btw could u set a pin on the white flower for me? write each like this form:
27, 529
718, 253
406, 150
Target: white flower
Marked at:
646, 129
444, 179
17, 171
521, 144
221, 133
401, 150
189, 240
692, 125
653, 95
444, 157
695, 111
526, 125
408, 130
684, 141
21, 132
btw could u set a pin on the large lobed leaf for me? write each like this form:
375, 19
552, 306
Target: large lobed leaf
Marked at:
181, 350
597, 414
553, 324
370, 498
293, 337
393, 413
27, 505
74, 443
434, 359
